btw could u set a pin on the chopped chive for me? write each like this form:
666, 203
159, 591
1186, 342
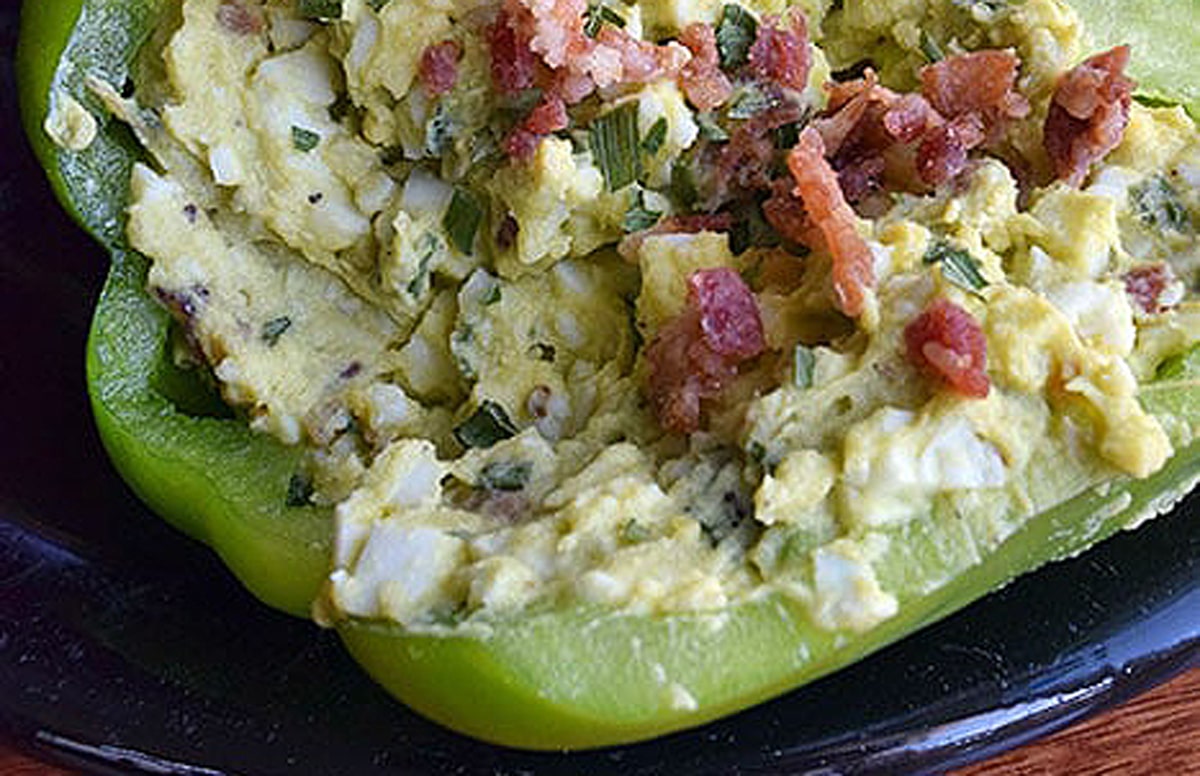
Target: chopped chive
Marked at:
655, 137
930, 48
462, 220
958, 266
599, 14
492, 296
320, 9
751, 101
736, 32
709, 128
505, 475
639, 217
1158, 205
615, 145
684, 191
273, 329
806, 363
1154, 101
487, 426
304, 140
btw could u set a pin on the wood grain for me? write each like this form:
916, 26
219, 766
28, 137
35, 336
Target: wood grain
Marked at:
1156, 733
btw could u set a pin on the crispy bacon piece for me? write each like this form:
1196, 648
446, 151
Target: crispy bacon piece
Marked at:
550, 115
241, 17
826, 206
701, 79
438, 70
747, 161
1088, 114
949, 346
1146, 286
513, 63
696, 355
868, 130
982, 83
943, 152
780, 53
642, 61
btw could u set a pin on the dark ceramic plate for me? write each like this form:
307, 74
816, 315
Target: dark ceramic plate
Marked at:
126, 648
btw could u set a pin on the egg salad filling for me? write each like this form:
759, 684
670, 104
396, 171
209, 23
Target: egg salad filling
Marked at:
662, 306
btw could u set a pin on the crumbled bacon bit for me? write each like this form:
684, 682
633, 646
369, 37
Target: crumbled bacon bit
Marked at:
942, 154
817, 186
785, 213
1146, 286
747, 161
642, 61
781, 54
1088, 114
550, 115
947, 344
980, 83
697, 354
701, 79
438, 70
867, 133
554, 28
513, 64
241, 17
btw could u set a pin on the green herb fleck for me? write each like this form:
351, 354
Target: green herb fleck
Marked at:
615, 146
304, 140
710, 130
930, 48
505, 475
1154, 101
1158, 205
492, 296
757, 452
655, 137
787, 136
462, 220
273, 329
634, 532
684, 191
958, 266
299, 491
736, 32
806, 362
377, 5
639, 217
320, 9
750, 101
487, 426
427, 247
599, 14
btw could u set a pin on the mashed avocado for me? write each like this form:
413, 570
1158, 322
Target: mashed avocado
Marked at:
668, 305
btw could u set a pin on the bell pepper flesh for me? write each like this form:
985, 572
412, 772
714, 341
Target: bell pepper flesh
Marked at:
554, 679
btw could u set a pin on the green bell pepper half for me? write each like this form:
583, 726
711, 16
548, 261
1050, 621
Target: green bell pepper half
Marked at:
553, 679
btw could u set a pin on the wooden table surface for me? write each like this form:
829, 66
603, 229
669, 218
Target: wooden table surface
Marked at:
1156, 733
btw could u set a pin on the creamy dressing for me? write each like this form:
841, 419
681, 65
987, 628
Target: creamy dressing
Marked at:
458, 338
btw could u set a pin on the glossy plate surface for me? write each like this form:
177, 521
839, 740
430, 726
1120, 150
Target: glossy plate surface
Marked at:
126, 648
